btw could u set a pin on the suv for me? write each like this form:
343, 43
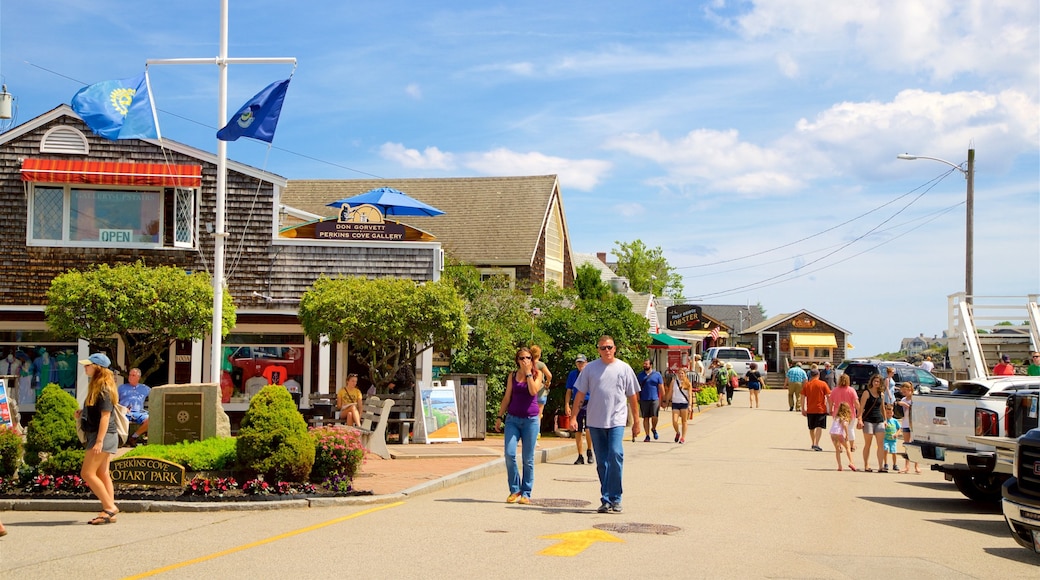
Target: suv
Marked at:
860, 371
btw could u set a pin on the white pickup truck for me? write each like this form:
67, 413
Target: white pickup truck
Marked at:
740, 358
947, 429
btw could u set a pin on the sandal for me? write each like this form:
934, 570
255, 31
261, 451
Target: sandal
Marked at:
868, 470
852, 467
106, 517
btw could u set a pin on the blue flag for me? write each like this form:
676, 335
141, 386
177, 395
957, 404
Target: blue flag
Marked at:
120, 109
259, 117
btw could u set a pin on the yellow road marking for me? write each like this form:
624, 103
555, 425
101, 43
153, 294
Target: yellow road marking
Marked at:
574, 543
262, 542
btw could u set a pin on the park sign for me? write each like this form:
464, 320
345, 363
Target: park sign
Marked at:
146, 471
683, 317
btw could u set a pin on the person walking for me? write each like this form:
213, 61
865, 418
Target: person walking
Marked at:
794, 379
519, 407
844, 393
872, 421
754, 384
827, 375
682, 397
610, 384
816, 405
102, 441
717, 377
581, 435
839, 432
651, 387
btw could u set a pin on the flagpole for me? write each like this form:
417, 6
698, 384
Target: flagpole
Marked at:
220, 235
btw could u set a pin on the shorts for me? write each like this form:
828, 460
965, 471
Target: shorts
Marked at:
581, 420
109, 445
873, 428
136, 417
649, 408
680, 406
754, 386
816, 420
906, 429
543, 396
890, 446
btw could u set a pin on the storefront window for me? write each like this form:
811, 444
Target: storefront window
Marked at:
36, 359
115, 217
252, 361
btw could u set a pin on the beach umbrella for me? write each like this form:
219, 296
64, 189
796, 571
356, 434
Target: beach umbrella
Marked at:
391, 202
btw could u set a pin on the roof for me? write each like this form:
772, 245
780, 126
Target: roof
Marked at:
482, 222
770, 322
581, 258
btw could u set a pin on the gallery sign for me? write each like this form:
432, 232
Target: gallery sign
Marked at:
683, 317
361, 223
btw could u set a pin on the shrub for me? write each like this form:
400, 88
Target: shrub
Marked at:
273, 439
337, 452
213, 454
10, 451
707, 396
53, 426
64, 462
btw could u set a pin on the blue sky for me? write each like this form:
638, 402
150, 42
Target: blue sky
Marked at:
755, 142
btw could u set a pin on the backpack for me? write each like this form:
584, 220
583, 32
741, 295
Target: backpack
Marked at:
721, 378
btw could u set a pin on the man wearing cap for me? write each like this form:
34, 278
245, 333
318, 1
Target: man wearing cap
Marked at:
1004, 367
827, 375
793, 380
1033, 369
132, 395
572, 391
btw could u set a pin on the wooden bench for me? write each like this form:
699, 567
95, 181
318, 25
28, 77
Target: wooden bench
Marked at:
403, 416
373, 425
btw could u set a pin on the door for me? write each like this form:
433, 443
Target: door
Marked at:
770, 353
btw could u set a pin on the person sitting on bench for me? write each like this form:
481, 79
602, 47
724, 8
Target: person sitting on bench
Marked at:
348, 400
132, 395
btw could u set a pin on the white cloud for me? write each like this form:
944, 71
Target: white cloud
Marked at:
581, 174
787, 64
630, 209
413, 91
429, 158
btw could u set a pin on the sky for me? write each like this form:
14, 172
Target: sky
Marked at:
754, 142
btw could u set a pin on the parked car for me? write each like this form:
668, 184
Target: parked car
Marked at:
860, 371
1021, 492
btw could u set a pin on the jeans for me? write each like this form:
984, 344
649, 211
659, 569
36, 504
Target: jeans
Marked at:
526, 430
610, 457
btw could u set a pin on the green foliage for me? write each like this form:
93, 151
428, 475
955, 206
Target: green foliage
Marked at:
589, 283
337, 452
707, 396
389, 320
64, 462
647, 270
213, 454
53, 426
148, 307
273, 439
10, 451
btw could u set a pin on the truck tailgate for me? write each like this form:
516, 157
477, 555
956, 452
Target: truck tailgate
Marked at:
944, 420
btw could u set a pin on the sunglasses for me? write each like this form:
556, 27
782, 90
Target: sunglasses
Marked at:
523, 358
606, 347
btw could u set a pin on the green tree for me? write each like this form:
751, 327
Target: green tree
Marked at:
589, 283
647, 269
390, 321
147, 307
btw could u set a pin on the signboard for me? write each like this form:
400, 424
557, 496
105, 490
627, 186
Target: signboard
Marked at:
5, 406
440, 411
683, 317
369, 232
146, 471
182, 417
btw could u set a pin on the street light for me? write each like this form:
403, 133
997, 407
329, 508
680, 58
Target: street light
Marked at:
969, 233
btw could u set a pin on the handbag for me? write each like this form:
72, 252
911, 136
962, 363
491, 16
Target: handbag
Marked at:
122, 423
734, 381
79, 431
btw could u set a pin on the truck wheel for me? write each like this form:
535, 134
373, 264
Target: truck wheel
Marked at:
984, 488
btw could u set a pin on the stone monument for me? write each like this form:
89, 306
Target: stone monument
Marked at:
190, 412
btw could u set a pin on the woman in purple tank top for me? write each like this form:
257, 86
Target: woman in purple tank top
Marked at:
519, 408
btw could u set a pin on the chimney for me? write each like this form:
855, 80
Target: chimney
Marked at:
602, 257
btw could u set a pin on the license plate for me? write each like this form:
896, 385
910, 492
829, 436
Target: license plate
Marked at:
1036, 541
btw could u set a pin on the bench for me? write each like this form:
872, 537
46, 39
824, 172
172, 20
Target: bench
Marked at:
403, 416
373, 425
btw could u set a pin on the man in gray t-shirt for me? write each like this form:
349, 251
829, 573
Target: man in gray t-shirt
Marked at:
613, 393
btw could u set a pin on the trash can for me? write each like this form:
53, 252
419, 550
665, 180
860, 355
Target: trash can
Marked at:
471, 396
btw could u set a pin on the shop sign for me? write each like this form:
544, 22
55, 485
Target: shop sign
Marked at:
369, 232
683, 317
803, 322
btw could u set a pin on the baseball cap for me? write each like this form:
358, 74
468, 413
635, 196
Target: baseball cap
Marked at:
1005, 358
580, 358
98, 358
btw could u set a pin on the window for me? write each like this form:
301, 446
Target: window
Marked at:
508, 274
253, 361
109, 217
822, 353
554, 241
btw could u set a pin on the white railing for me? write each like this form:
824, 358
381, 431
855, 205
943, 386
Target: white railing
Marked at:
1002, 322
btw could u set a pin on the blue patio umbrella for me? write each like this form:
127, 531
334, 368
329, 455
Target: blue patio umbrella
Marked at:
391, 202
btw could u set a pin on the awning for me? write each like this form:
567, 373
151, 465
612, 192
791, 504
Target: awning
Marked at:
666, 342
111, 173
814, 340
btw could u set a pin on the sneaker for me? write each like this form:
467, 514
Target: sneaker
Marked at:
616, 508
524, 500
655, 433
646, 439
579, 461
676, 437
512, 498
590, 460
682, 440
604, 508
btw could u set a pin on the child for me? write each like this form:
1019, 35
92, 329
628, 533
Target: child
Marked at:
907, 389
892, 429
840, 434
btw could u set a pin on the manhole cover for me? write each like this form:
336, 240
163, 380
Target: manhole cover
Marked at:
630, 528
576, 479
559, 503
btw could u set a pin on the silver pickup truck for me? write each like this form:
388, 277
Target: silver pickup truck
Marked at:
949, 432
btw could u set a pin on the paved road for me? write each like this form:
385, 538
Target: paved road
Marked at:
743, 498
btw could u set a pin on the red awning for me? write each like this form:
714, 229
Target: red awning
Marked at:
111, 173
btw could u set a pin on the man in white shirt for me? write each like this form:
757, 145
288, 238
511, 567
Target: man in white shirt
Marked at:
927, 364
